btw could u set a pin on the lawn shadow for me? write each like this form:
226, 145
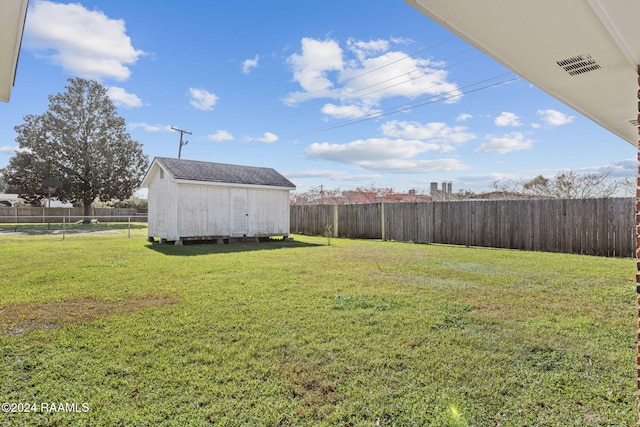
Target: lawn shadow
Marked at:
207, 247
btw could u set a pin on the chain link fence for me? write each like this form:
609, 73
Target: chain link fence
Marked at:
65, 225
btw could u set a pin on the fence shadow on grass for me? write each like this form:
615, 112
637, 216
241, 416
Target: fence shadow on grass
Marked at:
193, 249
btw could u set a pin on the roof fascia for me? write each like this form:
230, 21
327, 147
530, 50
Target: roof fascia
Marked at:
231, 184
145, 181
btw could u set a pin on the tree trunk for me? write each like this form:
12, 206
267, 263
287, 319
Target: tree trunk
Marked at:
87, 211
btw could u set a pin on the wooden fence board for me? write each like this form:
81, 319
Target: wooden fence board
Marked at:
589, 226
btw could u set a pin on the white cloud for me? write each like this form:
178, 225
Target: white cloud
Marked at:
436, 131
463, 117
363, 49
415, 166
267, 138
149, 128
554, 118
220, 135
347, 111
85, 43
248, 64
8, 149
13, 149
332, 175
514, 141
367, 79
623, 168
315, 173
360, 78
365, 150
396, 150
311, 66
619, 169
121, 97
385, 155
202, 99
484, 182
507, 119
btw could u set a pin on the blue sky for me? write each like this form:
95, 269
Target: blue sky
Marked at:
335, 93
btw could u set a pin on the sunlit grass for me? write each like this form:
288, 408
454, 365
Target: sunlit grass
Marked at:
301, 333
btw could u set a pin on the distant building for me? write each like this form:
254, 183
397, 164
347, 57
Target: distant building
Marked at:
55, 203
10, 200
443, 194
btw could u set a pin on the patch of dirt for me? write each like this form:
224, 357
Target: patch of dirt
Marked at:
308, 382
21, 318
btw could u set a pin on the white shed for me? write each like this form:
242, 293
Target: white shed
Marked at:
194, 200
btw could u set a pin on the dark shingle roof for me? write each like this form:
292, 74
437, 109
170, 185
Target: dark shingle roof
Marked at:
220, 172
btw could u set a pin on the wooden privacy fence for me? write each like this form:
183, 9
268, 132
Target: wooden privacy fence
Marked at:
603, 227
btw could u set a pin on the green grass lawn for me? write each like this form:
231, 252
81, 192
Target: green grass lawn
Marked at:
359, 333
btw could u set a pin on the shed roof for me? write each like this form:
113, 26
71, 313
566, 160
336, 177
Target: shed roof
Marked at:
193, 170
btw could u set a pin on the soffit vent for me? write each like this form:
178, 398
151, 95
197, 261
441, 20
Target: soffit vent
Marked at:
634, 122
579, 64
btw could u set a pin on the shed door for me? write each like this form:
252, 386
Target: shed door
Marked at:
239, 214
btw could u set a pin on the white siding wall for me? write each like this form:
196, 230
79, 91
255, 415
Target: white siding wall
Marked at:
203, 211
162, 207
268, 212
198, 210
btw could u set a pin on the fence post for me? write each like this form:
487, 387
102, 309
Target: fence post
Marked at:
382, 234
63, 226
129, 226
335, 220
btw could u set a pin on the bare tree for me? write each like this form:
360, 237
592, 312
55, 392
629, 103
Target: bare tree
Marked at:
313, 196
565, 185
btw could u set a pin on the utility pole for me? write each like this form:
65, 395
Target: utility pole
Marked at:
182, 131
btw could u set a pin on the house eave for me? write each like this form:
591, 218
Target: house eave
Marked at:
532, 37
12, 18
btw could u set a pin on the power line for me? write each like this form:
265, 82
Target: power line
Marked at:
383, 66
349, 96
410, 105
398, 60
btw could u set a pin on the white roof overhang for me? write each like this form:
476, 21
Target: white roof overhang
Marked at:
583, 52
231, 184
12, 17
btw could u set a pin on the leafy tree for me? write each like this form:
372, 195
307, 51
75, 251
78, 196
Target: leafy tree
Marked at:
6, 188
141, 205
82, 141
